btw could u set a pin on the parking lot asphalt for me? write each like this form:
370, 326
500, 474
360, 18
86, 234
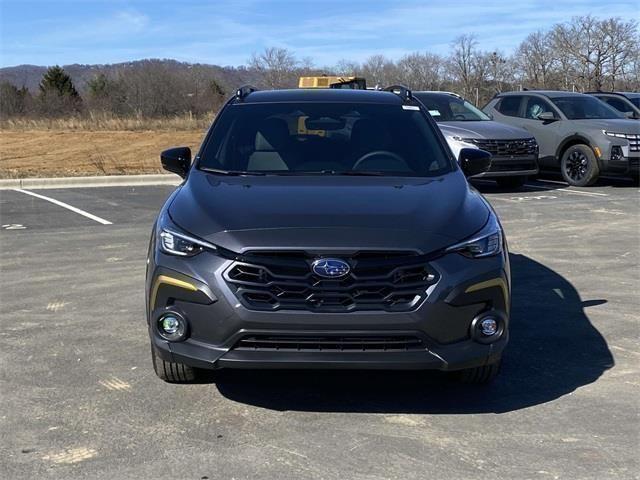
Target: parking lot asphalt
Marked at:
80, 399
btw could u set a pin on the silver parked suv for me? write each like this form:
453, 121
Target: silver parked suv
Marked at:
514, 151
575, 132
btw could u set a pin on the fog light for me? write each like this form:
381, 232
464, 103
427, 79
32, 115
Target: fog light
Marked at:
489, 326
172, 327
616, 153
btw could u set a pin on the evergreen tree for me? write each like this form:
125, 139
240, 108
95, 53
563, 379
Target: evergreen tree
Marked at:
98, 86
218, 95
13, 100
107, 94
56, 80
216, 88
58, 96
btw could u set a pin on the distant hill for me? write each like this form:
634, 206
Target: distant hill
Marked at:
29, 75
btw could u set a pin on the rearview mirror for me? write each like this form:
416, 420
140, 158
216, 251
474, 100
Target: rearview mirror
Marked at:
176, 160
547, 117
474, 161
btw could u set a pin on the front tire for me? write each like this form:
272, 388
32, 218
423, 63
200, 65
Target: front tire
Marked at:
172, 372
579, 166
480, 375
511, 182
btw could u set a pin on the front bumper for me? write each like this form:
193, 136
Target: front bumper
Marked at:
511, 166
629, 165
218, 322
465, 354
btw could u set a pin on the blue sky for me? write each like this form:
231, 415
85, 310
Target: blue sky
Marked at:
227, 32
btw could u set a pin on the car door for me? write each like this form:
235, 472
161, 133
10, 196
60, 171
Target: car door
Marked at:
546, 132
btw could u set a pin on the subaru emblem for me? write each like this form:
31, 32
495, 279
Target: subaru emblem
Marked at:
330, 268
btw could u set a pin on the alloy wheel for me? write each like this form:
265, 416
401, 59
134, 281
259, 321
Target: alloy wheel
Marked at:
577, 165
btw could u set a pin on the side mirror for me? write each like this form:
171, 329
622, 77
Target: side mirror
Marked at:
176, 160
474, 161
547, 117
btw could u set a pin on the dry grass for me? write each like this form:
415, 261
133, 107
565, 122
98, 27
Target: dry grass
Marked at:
57, 153
105, 121
98, 144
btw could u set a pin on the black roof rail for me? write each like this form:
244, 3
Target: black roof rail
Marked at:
400, 90
244, 91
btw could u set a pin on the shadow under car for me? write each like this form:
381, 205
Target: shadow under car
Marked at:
553, 350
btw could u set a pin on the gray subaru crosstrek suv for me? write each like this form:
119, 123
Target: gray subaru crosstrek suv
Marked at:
326, 229
576, 133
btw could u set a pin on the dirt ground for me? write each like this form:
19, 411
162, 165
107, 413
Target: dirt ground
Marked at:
52, 153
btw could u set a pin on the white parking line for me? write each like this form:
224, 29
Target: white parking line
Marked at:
65, 205
552, 181
568, 190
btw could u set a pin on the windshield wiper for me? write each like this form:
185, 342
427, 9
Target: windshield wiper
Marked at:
231, 173
334, 172
364, 173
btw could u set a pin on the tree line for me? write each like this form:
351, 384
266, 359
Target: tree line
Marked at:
582, 54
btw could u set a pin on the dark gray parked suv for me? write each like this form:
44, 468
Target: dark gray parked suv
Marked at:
576, 133
326, 229
627, 103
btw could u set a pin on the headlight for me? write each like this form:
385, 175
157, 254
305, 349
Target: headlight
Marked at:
462, 141
178, 243
616, 135
486, 243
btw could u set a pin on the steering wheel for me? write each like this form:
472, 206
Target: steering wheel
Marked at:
459, 116
376, 153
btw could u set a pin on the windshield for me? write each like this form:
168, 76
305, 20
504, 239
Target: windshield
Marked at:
585, 108
635, 101
324, 138
447, 108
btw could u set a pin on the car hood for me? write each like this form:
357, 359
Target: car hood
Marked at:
617, 125
489, 129
328, 212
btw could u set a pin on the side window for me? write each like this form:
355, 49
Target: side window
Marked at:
510, 105
617, 104
536, 106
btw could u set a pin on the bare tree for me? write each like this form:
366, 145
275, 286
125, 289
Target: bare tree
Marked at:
583, 53
536, 60
463, 61
277, 66
379, 70
421, 71
347, 68
623, 43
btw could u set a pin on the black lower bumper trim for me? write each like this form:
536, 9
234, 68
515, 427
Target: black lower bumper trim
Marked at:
456, 356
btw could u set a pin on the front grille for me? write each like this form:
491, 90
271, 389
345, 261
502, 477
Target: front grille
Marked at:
388, 281
634, 142
506, 148
321, 343
512, 166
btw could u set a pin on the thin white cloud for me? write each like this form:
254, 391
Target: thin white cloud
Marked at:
227, 32
132, 18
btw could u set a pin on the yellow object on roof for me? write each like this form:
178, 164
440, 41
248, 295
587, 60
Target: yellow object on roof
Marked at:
323, 81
